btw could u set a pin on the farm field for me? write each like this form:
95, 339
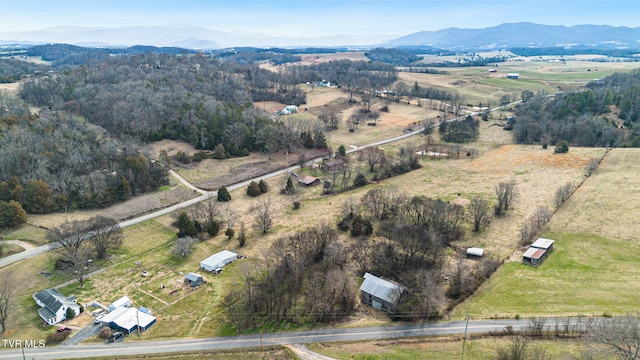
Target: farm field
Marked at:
592, 269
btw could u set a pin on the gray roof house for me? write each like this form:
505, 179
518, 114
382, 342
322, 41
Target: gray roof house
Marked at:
54, 305
380, 293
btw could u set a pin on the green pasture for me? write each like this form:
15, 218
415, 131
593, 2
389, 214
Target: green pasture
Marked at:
584, 275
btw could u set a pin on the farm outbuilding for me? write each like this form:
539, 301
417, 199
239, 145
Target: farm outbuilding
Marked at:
309, 181
538, 251
513, 76
218, 260
193, 279
381, 294
475, 252
122, 302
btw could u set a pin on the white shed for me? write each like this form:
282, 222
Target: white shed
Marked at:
218, 260
122, 302
473, 251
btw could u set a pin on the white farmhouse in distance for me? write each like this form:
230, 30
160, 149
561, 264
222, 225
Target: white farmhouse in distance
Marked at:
289, 109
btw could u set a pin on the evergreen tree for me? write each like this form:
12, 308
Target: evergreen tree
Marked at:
223, 194
253, 189
264, 188
185, 226
342, 150
320, 140
213, 228
308, 140
290, 188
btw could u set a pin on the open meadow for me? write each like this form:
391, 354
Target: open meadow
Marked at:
593, 267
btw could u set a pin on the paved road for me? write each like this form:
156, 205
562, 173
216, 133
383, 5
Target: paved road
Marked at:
130, 348
205, 195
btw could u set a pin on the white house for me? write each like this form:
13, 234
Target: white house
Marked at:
122, 302
54, 305
289, 109
218, 260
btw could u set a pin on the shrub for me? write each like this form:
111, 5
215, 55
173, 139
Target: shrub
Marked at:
360, 180
70, 313
56, 337
230, 232
562, 147
223, 194
105, 333
213, 228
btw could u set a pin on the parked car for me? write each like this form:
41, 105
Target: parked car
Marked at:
64, 329
96, 320
217, 271
116, 336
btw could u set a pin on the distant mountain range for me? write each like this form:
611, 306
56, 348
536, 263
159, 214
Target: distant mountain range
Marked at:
499, 37
524, 35
190, 37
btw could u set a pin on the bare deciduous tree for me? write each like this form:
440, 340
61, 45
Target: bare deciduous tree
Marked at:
8, 286
620, 336
505, 192
105, 235
563, 193
74, 244
373, 156
480, 214
263, 219
184, 246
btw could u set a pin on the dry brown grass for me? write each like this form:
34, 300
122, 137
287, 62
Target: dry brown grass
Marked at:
603, 205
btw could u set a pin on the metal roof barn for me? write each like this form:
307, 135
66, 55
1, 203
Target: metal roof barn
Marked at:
543, 243
382, 294
218, 260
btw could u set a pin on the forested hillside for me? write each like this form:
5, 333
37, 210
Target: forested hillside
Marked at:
193, 98
51, 161
12, 70
606, 114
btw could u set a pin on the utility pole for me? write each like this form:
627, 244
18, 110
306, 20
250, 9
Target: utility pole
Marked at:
464, 339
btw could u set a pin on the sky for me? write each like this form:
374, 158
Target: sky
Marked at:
314, 18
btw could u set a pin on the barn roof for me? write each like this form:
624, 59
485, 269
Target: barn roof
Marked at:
381, 288
534, 253
542, 243
193, 276
216, 258
308, 180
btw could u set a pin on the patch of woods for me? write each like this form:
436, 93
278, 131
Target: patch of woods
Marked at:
12, 70
51, 162
305, 278
607, 114
308, 276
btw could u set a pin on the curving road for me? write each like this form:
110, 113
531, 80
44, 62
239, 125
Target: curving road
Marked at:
206, 195
127, 348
